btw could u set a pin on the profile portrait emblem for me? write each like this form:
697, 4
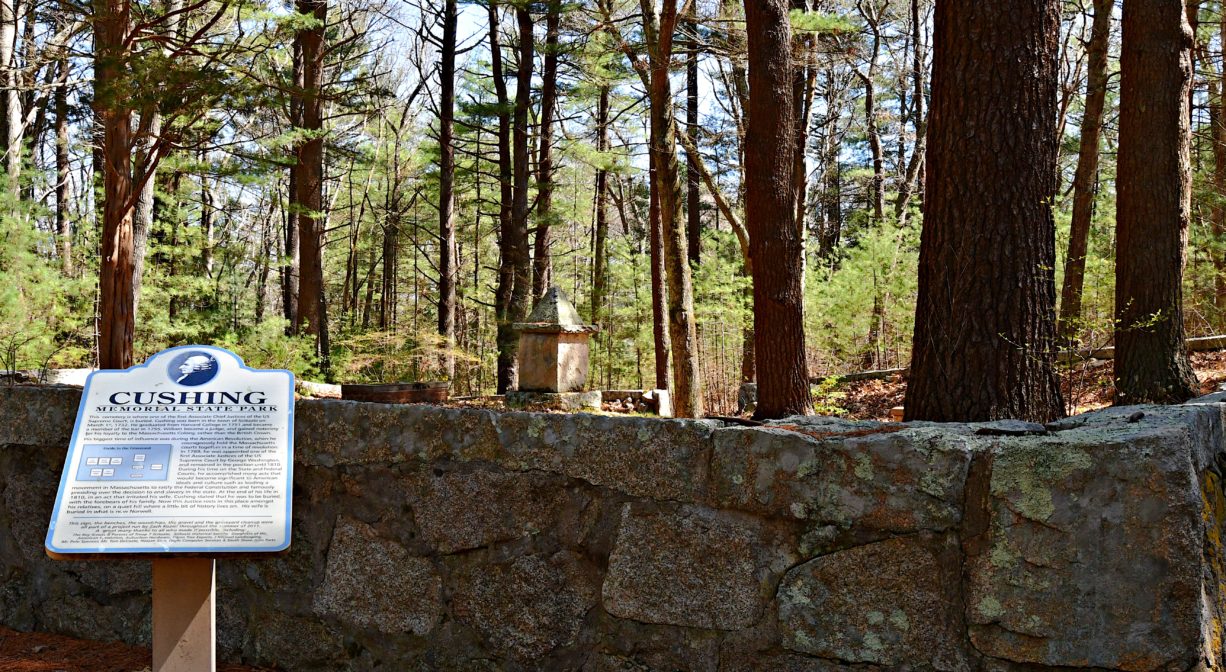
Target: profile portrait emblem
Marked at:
193, 368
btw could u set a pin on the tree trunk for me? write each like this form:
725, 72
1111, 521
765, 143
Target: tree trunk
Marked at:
600, 252
776, 247
831, 196
804, 85
206, 222
877, 192
659, 290
292, 261
916, 162
10, 96
172, 261
515, 267
63, 225
1085, 181
367, 303
693, 204
264, 265
542, 262
308, 196
985, 314
1153, 200
506, 374
521, 293
683, 332
117, 324
391, 254
446, 191
1217, 123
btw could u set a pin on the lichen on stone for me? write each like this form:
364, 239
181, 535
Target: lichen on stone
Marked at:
1024, 473
990, 608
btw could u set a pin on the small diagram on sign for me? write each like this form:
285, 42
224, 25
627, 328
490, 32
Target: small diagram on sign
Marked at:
129, 462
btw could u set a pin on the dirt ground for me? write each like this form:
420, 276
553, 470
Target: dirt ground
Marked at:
40, 652
1086, 386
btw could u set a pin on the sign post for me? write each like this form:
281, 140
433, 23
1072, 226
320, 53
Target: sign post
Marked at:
184, 614
181, 460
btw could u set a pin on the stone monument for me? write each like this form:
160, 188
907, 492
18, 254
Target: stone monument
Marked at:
553, 357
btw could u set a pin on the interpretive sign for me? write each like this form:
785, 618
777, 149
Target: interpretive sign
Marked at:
191, 452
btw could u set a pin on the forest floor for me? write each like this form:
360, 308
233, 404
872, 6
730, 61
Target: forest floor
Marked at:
41, 652
1086, 386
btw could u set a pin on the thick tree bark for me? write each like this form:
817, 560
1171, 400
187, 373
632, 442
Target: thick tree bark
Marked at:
600, 252
309, 187
985, 315
1152, 206
117, 324
542, 257
1085, 181
774, 240
446, 190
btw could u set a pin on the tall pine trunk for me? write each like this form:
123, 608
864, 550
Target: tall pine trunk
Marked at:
1085, 181
446, 191
1152, 207
309, 187
117, 324
776, 247
985, 315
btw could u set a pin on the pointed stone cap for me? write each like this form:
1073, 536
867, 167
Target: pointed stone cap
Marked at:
555, 314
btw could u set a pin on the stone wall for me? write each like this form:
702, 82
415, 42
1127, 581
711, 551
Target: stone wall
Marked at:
436, 539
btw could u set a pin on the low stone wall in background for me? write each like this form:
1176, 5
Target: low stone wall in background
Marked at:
435, 539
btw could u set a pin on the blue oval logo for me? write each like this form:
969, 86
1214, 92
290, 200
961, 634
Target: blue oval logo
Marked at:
192, 368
